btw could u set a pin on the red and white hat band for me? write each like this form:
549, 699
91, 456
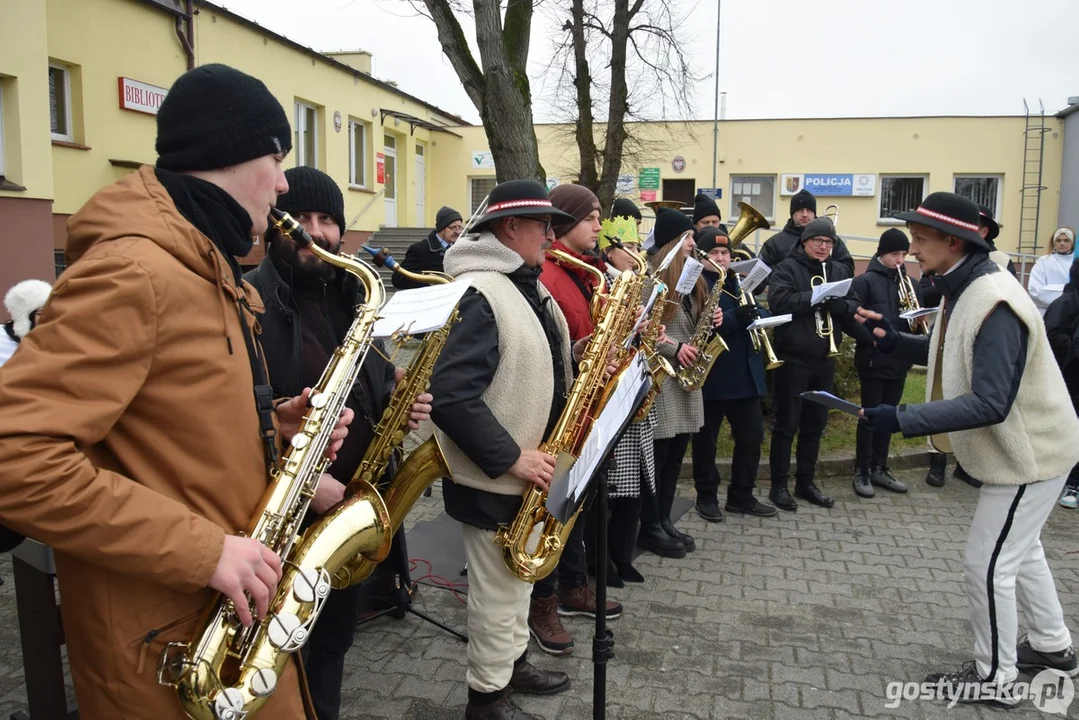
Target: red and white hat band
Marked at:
945, 218
509, 204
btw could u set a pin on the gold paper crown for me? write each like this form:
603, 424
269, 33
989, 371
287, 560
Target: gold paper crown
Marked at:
623, 229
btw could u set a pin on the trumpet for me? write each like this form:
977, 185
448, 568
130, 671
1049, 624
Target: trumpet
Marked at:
822, 316
758, 336
908, 301
832, 213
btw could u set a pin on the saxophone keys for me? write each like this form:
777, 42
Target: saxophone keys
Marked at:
310, 584
286, 632
319, 400
263, 682
229, 705
300, 441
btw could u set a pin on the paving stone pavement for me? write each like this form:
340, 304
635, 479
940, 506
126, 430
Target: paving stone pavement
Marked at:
808, 615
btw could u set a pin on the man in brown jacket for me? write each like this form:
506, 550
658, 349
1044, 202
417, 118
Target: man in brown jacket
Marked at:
131, 440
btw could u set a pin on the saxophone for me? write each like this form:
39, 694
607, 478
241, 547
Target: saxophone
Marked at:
227, 671
423, 465
614, 314
709, 344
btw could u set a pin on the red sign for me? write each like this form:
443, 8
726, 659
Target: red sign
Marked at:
139, 96
648, 195
380, 168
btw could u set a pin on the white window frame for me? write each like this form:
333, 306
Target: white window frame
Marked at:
474, 201
301, 109
353, 181
999, 177
735, 198
69, 136
924, 177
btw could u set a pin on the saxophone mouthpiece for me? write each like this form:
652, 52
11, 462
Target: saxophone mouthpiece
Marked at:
288, 225
381, 257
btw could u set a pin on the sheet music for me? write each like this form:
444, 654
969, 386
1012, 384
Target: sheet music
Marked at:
657, 287
755, 275
920, 312
421, 310
824, 291
690, 272
771, 321
829, 400
572, 479
670, 255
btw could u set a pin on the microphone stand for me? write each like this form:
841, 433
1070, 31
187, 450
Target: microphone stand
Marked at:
603, 640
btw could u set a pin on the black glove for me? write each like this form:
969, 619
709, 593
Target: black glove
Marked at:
837, 307
883, 417
887, 343
745, 315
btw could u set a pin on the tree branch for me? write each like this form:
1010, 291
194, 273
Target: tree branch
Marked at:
455, 48
517, 32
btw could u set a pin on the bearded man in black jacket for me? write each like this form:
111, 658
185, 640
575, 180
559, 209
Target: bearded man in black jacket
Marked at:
803, 211
309, 308
806, 364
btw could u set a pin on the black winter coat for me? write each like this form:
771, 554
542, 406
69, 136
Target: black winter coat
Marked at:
776, 248
424, 256
739, 372
1062, 328
789, 291
877, 289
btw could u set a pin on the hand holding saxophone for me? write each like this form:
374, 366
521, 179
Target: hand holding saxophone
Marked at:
328, 493
421, 408
687, 355
247, 568
612, 355
534, 466
291, 412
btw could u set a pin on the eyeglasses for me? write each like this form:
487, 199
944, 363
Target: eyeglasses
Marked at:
822, 242
545, 224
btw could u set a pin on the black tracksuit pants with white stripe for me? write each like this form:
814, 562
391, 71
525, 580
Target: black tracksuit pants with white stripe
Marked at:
1005, 570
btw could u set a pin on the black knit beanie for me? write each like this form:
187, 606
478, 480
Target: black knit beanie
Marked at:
312, 191
670, 226
803, 200
624, 207
893, 240
446, 216
708, 237
704, 206
820, 227
216, 116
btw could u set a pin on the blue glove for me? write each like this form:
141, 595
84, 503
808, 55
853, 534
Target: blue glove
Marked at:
887, 343
883, 417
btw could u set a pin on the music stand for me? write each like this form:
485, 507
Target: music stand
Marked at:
400, 597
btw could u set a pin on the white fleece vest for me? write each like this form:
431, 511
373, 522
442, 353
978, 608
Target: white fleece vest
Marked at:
1039, 439
521, 391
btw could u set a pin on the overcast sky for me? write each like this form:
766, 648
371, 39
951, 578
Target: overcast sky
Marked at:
779, 58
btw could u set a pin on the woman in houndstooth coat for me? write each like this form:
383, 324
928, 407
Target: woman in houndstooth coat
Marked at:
679, 413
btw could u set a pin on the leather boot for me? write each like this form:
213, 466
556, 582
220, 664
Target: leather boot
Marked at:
582, 601
501, 709
527, 679
938, 463
653, 539
863, 485
546, 626
670, 529
782, 499
812, 495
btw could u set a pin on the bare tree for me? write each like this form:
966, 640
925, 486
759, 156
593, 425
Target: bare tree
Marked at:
498, 85
636, 40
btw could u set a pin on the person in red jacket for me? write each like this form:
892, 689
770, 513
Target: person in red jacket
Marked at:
566, 591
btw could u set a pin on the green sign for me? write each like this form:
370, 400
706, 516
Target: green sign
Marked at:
649, 179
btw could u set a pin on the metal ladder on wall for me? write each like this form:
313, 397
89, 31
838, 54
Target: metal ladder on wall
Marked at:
1031, 203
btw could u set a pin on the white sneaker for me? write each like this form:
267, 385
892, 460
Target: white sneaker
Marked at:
1070, 498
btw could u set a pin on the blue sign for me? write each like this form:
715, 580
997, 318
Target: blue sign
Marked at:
716, 193
829, 184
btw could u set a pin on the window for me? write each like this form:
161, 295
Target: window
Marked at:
756, 190
900, 193
479, 189
391, 142
981, 190
60, 102
357, 153
306, 143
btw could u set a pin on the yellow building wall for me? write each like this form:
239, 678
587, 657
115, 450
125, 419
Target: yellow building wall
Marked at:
294, 76
105, 40
23, 66
939, 148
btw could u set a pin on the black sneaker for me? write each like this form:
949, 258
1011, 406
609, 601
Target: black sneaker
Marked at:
1029, 659
937, 465
753, 507
709, 510
966, 686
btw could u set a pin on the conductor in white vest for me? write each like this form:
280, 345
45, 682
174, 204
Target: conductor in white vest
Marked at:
997, 400
504, 372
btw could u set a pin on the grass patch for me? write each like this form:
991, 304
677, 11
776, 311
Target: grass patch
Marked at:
839, 436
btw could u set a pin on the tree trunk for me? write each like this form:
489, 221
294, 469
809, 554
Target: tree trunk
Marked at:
498, 86
615, 135
582, 80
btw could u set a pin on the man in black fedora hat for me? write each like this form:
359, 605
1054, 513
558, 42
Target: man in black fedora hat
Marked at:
500, 385
427, 255
998, 401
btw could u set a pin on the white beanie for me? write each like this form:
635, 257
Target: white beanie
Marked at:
23, 299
